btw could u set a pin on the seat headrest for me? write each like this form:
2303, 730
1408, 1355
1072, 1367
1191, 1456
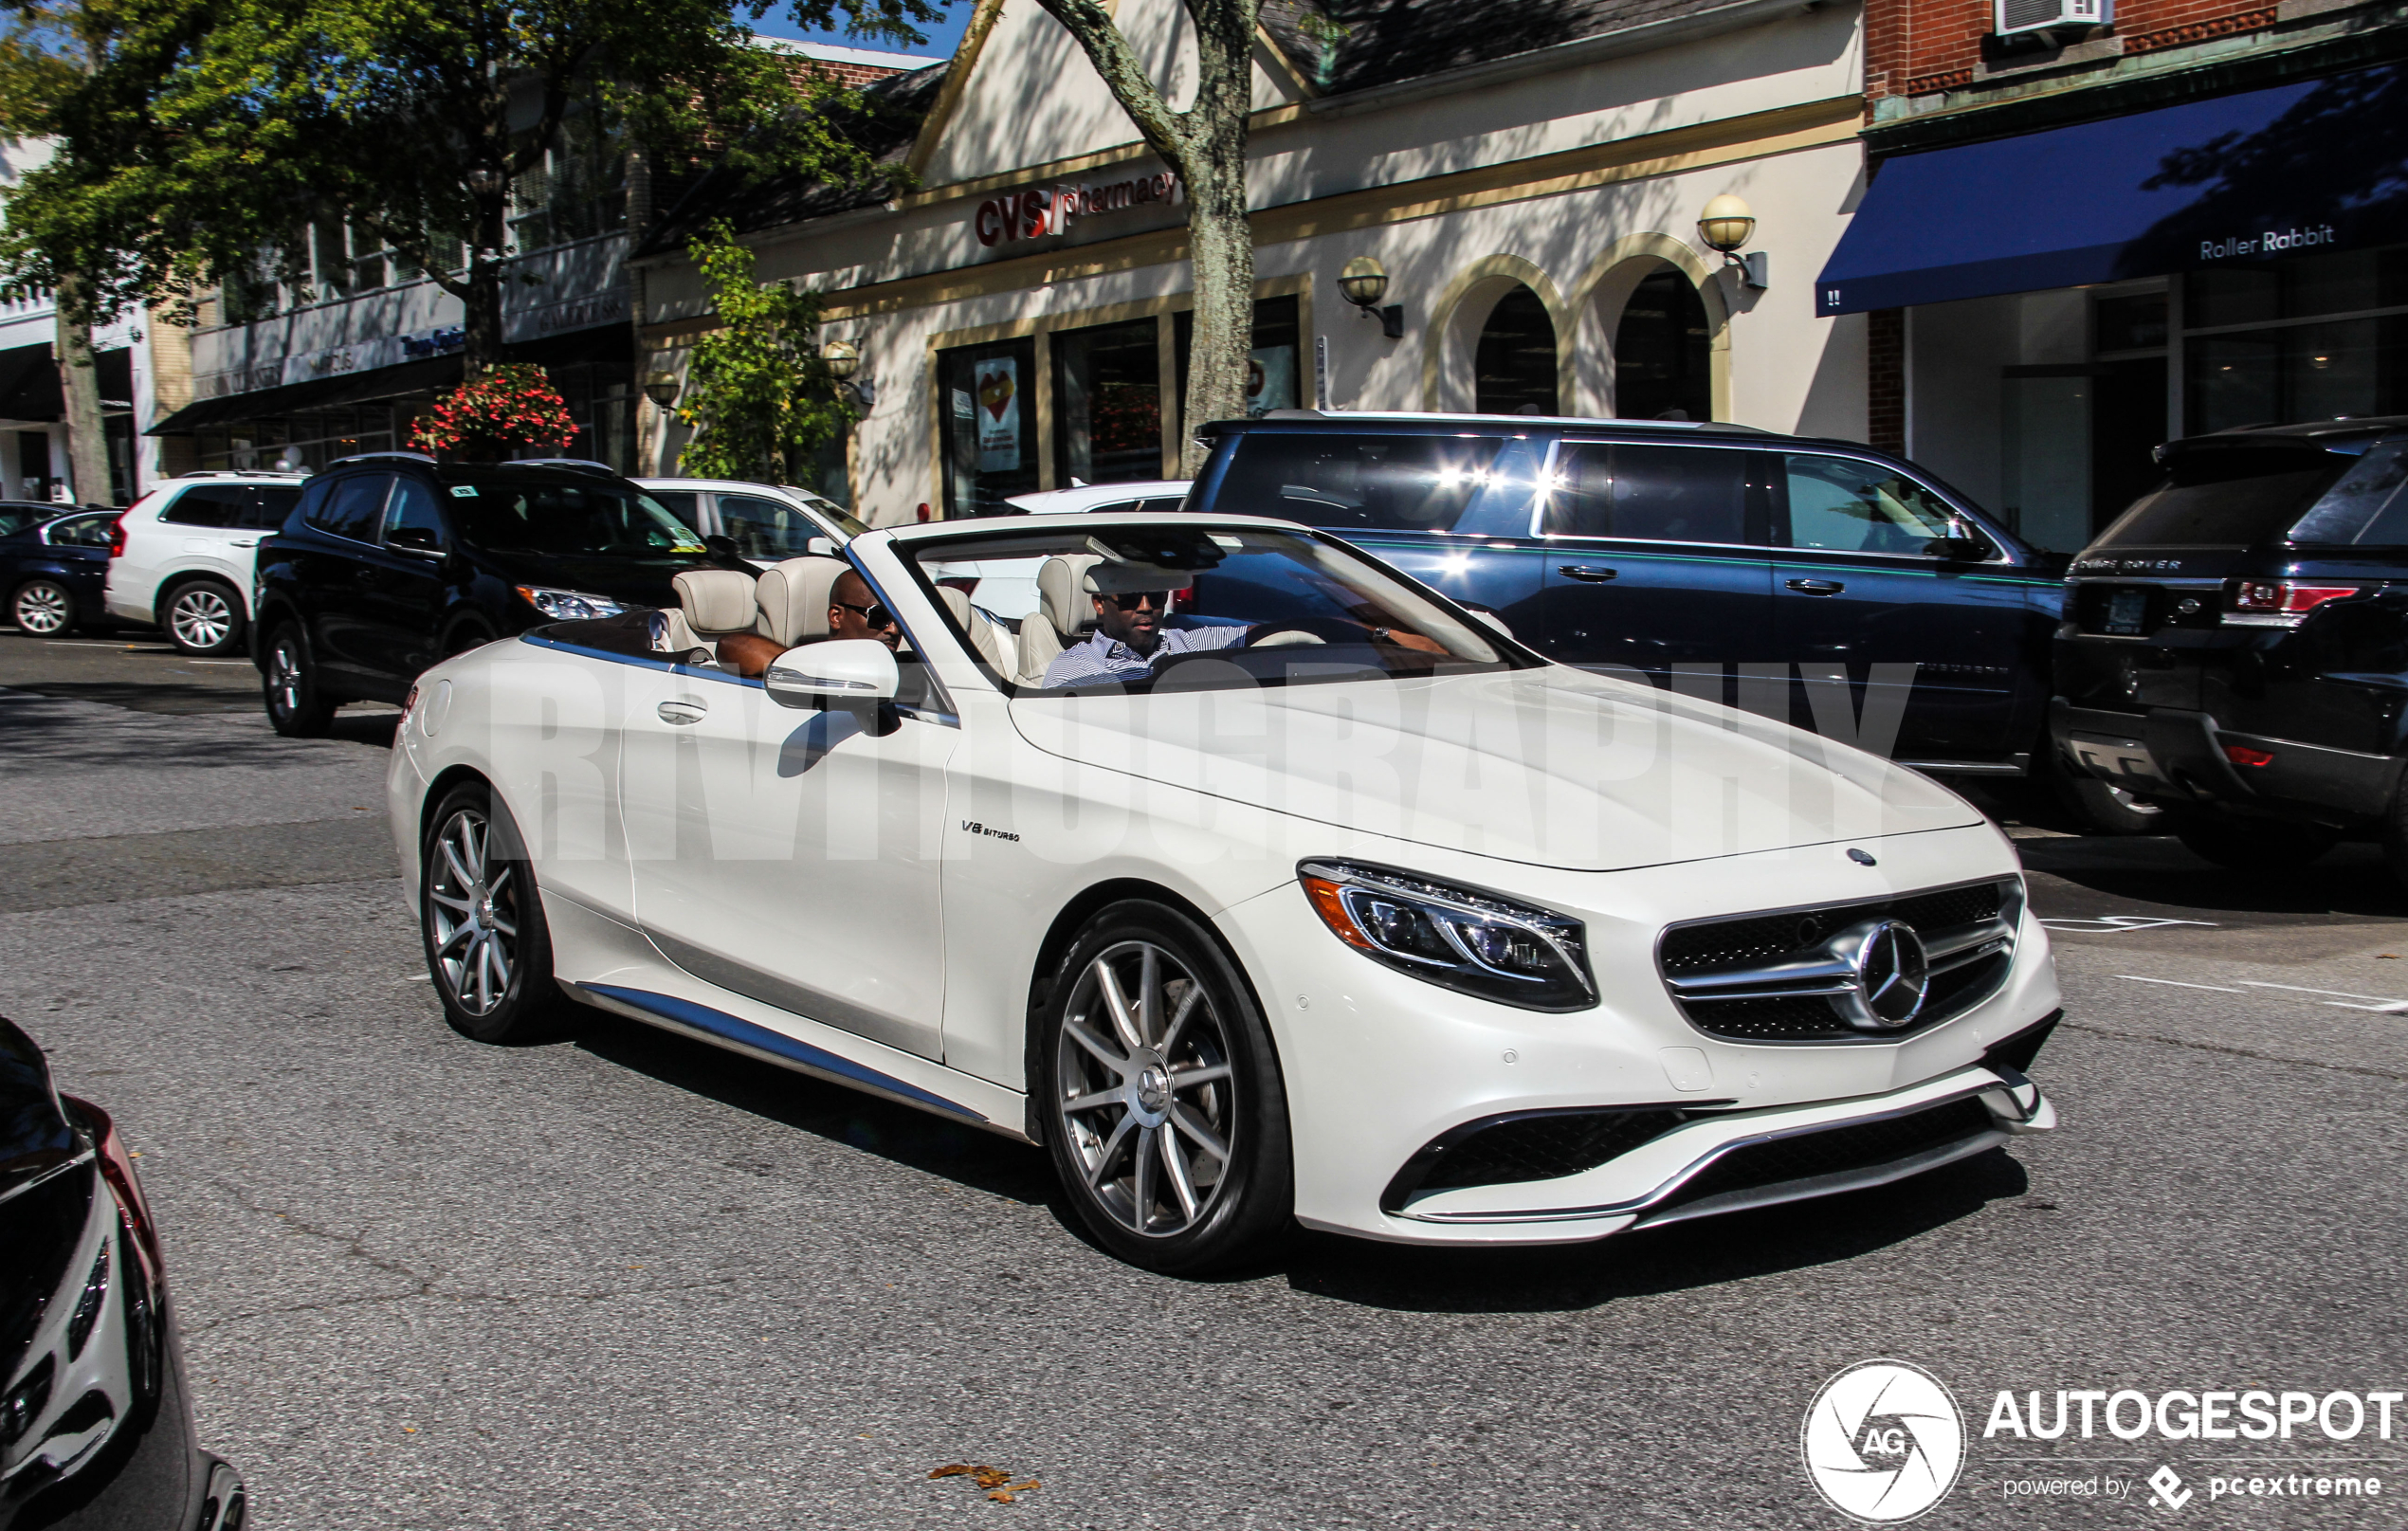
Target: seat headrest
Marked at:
716, 601
793, 597
1061, 592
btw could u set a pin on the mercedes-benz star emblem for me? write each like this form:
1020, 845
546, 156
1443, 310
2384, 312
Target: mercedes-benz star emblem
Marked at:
1890, 971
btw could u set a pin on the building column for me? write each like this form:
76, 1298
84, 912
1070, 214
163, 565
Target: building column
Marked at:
1886, 380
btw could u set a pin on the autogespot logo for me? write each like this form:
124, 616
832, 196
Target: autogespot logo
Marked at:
1884, 1441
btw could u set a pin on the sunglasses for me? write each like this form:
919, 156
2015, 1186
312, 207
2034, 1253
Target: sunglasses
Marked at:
1131, 601
874, 614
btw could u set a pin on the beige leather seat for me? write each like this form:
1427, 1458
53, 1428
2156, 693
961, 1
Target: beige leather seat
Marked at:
1065, 614
711, 603
792, 599
985, 636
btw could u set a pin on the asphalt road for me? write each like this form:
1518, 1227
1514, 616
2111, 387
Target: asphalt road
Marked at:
631, 1281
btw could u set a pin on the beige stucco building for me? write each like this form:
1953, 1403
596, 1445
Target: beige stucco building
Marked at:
1530, 178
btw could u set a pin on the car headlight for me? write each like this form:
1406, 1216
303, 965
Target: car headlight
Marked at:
569, 605
1456, 937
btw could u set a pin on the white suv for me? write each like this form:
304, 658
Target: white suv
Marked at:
767, 523
185, 552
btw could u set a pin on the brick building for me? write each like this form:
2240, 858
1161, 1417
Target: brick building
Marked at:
2091, 225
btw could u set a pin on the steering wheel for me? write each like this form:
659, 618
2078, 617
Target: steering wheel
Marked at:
1311, 629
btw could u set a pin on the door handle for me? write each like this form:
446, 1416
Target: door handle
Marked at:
682, 712
1586, 572
1817, 587
254, 542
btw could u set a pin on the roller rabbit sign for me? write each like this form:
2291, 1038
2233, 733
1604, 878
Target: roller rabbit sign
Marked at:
1034, 213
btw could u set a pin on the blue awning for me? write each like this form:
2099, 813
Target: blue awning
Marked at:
2314, 166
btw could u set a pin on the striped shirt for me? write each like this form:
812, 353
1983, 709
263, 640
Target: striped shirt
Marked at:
1101, 659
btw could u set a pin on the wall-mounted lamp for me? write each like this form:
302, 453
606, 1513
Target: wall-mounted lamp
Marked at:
1726, 225
661, 388
843, 364
1365, 282
486, 181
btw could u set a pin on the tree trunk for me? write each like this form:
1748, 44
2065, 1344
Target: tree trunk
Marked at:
80, 380
483, 341
1221, 242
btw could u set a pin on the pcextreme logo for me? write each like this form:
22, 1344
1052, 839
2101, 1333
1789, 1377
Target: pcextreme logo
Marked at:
1884, 1441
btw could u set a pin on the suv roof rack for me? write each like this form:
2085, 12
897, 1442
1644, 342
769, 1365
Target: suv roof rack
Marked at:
245, 473
579, 465
380, 457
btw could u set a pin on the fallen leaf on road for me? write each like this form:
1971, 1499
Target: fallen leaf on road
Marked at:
999, 1483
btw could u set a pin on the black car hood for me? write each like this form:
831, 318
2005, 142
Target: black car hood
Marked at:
635, 581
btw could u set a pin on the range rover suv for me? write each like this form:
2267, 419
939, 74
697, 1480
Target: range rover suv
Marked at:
1819, 581
2235, 645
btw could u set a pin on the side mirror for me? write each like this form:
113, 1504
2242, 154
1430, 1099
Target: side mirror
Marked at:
722, 551
841, 672
421, 541
821, 547
1958, 549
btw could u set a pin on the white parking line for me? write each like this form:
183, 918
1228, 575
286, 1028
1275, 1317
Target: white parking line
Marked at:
245, 662
2111, 924
2381, 1005
2176, 983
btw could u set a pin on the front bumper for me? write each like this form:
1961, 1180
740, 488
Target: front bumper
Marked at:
1378, 1067
2176, 755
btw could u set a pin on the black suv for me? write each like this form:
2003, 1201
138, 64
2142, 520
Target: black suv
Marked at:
2236, 646
1819, 581
392, 561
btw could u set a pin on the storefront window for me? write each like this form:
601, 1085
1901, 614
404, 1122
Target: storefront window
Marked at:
1272, 374
1514, 366
990, 425
1662, 354
1108, 404
2304, 338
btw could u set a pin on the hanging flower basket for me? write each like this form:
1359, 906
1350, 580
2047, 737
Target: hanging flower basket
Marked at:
495, 412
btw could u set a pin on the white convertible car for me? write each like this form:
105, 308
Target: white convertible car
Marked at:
1300, 894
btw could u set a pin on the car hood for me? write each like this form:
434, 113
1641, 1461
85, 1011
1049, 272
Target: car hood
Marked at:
1553, 767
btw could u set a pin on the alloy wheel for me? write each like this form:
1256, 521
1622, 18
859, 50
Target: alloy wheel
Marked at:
285, 677
41, 609
472, 912
1148, 1100
200, 617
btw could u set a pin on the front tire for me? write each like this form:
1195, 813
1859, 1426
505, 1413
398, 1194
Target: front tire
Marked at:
203, 619
43, 609
296, 709
1162, 1102
488, 949
2252, 845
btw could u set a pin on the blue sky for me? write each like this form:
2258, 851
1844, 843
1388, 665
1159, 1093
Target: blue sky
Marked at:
779, 21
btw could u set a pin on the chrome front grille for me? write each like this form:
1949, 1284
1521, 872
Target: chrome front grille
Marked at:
1774, 977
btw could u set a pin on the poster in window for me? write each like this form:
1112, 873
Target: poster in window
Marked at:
996, 382
1270, 380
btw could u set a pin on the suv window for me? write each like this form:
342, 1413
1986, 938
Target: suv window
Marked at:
682, 503
1845, 505
1659, 494
766, 528
270, 506
207, 505
2230, 497
413, 521
1413, 483
596, 518
2368, 508
353, 508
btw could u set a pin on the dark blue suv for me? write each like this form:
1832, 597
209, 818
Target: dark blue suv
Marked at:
1816, 581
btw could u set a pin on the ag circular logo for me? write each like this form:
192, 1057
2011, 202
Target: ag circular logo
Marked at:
1884, 1441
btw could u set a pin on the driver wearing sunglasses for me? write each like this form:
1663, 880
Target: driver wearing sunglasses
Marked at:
855, 612
1130, 604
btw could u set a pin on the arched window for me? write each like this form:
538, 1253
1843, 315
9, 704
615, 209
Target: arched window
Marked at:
1513, 372
1661, 359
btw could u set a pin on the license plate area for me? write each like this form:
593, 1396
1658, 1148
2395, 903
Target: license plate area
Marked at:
2125, 613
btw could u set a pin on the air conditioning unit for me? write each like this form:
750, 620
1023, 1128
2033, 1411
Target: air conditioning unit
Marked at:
2015, 17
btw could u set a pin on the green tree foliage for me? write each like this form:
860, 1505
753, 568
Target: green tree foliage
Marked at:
219, 130
757, 395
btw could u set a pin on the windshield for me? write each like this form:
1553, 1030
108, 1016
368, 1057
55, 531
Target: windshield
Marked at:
845, 521
587, 520
1160, 607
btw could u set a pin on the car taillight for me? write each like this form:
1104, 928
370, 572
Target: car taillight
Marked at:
2281, 598
117, 1167
2243, 755
116, 537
